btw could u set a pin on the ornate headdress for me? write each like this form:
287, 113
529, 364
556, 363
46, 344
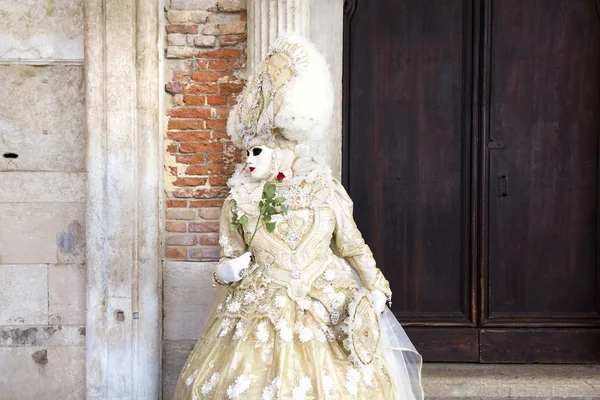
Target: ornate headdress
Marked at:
288, 101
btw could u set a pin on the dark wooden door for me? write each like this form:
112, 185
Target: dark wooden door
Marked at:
471, 144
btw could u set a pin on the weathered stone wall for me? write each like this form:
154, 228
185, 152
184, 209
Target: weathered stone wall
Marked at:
42, 200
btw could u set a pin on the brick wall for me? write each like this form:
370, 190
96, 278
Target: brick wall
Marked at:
206, 42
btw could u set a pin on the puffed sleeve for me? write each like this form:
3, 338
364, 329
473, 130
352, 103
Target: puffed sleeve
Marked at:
351, 245
232, 242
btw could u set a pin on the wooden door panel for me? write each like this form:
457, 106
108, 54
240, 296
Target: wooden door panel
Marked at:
543, 185
540, 345
446, 344
408, 142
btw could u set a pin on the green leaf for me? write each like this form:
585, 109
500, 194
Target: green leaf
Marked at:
269, 190
279, 200
284, 209
233, 226
271, 210
243, 220
261, 203
270, 226
267, 218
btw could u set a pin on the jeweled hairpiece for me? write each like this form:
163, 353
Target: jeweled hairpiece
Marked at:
258, 119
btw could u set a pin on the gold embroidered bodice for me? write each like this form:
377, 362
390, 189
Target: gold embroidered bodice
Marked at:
297, 257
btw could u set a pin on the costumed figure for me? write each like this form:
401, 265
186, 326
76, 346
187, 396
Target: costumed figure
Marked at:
300, 310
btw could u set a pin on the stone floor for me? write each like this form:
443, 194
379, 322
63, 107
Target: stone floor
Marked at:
488, 381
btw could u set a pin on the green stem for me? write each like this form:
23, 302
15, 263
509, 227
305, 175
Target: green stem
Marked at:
255, 229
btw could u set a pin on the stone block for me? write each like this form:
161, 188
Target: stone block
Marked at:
41, 30
175, 354
42, 373
208, 5
66, 294
441, 381
203, 40
43, 187
176, 39
43, 123
232, 5
32, 233
210, 213
23, 295
181, 213
205, 253
180, 52
187, 296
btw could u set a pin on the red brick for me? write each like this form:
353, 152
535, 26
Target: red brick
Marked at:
202, 64
212, 76
194, 100
186, 29
216, 158
233, 29
229, 170
206, 203
194, 147
233, 100
176, 252
173, 171
191, 159
209, 240
216, 124
216, 100
188, 135
222, 112
205, 170
204, 227
190, 182
176, 203
182, 240
200, 88
181, 76
172, 148
232, 40
221, 53
218, 180
225, 65
183, 124
219, 134
176, 226
173, 87
230, 87
244, 16
190, 112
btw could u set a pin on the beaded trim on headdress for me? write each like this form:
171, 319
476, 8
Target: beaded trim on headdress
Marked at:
262, 98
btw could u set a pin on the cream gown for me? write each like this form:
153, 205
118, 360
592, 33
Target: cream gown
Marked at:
279, 333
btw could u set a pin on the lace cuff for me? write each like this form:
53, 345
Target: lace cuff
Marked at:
382, 284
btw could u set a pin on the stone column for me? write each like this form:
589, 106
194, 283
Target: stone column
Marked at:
267, 19
122, 219
322, 22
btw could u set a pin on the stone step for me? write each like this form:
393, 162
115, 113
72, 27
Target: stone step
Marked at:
481, 381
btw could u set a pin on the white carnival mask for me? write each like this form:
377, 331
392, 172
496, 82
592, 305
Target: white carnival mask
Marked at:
259, 162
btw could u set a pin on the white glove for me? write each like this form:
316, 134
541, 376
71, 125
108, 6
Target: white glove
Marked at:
378, 298
230, 270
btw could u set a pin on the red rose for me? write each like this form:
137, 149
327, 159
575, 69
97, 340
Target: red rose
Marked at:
280, 176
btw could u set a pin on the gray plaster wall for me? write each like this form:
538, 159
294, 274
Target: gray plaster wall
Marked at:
42, 200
